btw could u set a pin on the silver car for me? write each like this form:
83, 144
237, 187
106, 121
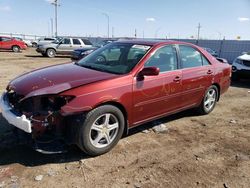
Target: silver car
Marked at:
65, 46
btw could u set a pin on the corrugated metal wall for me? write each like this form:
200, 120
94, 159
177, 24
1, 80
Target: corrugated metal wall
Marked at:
228, 49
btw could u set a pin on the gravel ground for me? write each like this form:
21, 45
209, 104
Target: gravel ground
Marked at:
193, 151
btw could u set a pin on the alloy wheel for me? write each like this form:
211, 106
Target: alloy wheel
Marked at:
210, 99
104, 130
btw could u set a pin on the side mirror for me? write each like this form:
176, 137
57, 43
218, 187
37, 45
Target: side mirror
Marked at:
148, 71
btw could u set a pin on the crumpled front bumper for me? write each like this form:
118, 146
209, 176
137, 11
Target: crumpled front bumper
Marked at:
19, 121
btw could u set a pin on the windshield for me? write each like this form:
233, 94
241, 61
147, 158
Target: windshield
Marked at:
116, 58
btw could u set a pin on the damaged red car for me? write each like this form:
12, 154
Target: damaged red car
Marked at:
93, 102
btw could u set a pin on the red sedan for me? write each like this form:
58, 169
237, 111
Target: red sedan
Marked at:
8, 43
91, 103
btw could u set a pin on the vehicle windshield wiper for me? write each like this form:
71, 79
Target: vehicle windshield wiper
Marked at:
90, 67
95, 68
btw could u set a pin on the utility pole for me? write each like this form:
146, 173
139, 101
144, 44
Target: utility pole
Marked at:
113, 29
107, 16
55, 3
48, 28
199, 28
51, 20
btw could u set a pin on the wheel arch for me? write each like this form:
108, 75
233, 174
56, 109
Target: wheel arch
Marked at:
219, 90
50, 48
16, 46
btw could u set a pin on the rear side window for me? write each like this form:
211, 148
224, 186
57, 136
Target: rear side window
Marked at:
76, 42
164, 58
190, 57
50, 39
86, 42
5, 39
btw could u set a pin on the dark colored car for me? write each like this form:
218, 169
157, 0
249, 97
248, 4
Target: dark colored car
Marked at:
82, 52
8, 43
93, 102
241, 67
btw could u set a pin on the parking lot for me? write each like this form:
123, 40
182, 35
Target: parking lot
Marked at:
195, 151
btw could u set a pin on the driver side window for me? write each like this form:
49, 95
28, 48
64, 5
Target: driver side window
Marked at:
164, 58
66, 41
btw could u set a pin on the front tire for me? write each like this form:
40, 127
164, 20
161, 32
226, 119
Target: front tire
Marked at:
209, 101
51, 53
101, 130
34, 44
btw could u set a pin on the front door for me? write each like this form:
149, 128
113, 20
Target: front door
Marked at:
65, 46
156, 95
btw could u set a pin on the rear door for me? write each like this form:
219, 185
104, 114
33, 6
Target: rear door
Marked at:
0, 42
76, 43
197, 75
156, 95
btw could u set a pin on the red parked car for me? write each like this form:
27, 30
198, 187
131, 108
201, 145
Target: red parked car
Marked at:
8, 43
93, 102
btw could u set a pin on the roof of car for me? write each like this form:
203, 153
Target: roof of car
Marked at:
244, 57
150, 42
5, 36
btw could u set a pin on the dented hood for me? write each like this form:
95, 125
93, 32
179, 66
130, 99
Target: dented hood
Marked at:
56, 79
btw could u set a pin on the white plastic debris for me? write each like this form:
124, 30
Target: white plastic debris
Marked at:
39, 178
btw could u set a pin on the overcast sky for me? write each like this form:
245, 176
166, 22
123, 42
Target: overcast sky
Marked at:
154, 18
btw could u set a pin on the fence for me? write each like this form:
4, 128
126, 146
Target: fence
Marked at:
228, 49
23, 36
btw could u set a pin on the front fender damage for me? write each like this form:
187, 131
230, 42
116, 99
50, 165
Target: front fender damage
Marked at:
47, 124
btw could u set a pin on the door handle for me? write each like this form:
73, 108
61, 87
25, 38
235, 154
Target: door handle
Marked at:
177, 79
209, 72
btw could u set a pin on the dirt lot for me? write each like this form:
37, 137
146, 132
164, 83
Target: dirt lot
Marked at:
196, 151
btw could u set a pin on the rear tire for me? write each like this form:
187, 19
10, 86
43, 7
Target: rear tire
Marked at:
50, 52
209, 101
101, 130
15, 49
